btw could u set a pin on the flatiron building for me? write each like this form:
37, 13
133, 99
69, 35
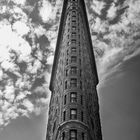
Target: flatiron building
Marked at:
74, 107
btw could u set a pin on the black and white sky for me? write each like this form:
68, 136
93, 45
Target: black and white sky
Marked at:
28, 34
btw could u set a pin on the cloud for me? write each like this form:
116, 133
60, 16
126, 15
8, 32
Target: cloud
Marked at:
21, 64
48, 11
116, 38
111, 13
97, 6
21, 2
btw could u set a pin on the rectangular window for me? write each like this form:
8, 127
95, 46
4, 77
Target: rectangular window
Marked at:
64, 115
81, 99
66, 72
73, 50
73, 22
73, 35
80, 72
67, 61
63, 136
66, 84
73, 82
82, 116
73, 134
73, 59
73, 114
80, 84
83, 136
73, 97
73, 12
73, 70
73, 28
73, 41
65, 99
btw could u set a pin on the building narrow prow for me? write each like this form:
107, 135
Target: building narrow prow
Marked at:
74, 108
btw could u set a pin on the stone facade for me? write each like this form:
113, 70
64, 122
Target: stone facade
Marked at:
74, 108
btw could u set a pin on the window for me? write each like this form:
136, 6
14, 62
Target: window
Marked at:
65, 99
81, 99
73, 28
67, 61
82, 116
73, 70
73, 59
67, 52
73, 114
63, 136
73, 12
66, 84
73, 134
64, 115
80, 72
80, 84
73, 97
73, 35
83, 136
66, 72
73, 82
73, 22
54, 126
80, 61
73, 50
92, 124
73, 41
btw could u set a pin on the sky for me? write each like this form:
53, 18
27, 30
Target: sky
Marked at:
28, 34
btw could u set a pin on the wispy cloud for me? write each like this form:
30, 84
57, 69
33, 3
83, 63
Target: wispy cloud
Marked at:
116, 35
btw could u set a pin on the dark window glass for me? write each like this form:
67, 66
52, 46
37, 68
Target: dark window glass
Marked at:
80, 72
73, 82
73, 59
80, 84
73, 114
66, 84
73, 70
66, 72
64, 115
54, 126
83, 136
65, 99
73, 134
81, 99
82, 116
63, 136
73, 97
67, 61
